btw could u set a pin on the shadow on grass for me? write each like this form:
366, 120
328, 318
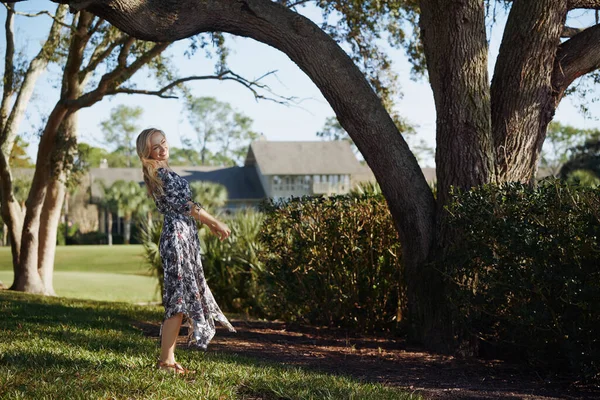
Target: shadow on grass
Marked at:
96, 346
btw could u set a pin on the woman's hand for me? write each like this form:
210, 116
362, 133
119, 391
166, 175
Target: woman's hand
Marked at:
220, 229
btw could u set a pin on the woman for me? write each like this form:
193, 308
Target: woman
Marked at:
185, 289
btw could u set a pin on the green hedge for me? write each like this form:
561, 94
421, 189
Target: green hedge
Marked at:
527, 272
333, 261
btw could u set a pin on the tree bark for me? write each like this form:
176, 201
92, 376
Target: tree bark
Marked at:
37, 236
50, 217
127, 227
576, 57
457, 62
11, 118
523, 102
27, 278
54, 200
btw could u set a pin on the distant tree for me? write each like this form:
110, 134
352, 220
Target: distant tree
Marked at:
130, 196
18, 155
120, 130
560, 139
583, 165
183, 157
210, 195
89, 156
219, 126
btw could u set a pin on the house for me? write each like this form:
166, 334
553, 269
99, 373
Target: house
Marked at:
272, 169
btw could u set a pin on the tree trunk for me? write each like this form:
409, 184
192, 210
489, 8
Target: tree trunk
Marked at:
10, 120
110, 224
12, 214
523, 81
64, 147
27, 278
127, 233
457, 62
48, 230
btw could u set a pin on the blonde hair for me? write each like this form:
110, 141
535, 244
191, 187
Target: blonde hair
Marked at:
149, 165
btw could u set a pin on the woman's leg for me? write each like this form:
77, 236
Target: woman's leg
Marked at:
170, 331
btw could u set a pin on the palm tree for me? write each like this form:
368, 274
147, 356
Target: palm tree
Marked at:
111, 202
210, 195
132, 195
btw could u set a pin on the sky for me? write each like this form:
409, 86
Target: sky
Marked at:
251, 59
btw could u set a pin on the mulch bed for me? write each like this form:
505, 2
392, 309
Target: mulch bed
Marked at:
387, 361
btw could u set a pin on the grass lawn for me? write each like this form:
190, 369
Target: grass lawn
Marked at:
53, 348
121, 259
109, 273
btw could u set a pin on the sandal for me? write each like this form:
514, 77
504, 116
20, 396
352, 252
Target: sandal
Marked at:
175, 368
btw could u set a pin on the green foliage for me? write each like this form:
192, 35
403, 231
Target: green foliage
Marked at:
150, 239
526, 271
62, 236
211, 195
561, 140
89, 156
183, 157
333, 261
232, 267
366, 189
583, 165
361, 24
18, 157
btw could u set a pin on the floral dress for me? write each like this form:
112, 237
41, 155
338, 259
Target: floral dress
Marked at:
185, 288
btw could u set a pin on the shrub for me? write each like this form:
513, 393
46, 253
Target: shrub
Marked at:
61, 238
231, 267
333, 261
527, 274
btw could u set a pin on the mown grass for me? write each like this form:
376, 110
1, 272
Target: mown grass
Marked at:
52, 348
103, 273
119, 259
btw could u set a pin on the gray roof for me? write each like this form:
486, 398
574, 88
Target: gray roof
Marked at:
242, 183
303, 158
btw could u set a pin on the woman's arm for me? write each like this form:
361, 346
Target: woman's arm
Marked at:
217, 227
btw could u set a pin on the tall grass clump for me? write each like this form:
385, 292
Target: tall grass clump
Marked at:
231, 267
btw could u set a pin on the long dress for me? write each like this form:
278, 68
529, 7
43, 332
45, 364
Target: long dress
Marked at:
185, 288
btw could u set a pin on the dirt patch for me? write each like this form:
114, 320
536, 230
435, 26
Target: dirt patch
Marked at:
386, 361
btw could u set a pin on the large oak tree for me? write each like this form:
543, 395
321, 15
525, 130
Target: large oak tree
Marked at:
485, 132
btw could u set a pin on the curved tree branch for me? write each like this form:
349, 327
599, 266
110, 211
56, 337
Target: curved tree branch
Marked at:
591, 4
356, 105
522, 82
9, 68
224, 76
37, 14
569, 32
577, 56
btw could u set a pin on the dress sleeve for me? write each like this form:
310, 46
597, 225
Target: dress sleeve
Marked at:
175, 200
